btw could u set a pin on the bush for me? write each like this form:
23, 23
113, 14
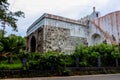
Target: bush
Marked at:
49, 61
66, 72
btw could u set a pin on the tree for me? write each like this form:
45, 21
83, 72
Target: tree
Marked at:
80, 54
116, 55
12, 44
96, 55
16, 42
8, 17
1, 32
1, 46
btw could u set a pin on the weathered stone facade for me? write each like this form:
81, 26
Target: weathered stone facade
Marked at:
51, 32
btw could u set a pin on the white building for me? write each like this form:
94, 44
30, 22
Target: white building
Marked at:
51, 32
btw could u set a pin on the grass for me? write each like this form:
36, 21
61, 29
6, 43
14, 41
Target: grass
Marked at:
12, 66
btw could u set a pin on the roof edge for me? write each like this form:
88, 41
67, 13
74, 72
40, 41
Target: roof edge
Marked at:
56, 17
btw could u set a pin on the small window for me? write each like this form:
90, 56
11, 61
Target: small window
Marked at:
113, 37
105, 41
97, 15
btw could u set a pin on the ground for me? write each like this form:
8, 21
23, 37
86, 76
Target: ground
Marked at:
84, 77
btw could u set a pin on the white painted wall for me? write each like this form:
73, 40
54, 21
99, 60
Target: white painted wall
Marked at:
75, 29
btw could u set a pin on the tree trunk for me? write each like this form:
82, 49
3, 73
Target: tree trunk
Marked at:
116, 61
77, 61
10, 60
3, 32
99, 61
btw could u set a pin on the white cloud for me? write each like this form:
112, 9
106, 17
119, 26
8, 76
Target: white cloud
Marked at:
75, 9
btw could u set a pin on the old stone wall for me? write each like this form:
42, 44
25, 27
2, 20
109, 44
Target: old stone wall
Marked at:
57, 39
35, 40
53, 38
40, 40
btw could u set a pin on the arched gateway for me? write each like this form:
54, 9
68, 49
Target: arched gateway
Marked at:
33, 44
96, 38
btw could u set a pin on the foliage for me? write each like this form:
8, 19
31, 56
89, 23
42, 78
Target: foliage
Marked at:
88, 56
51, 60
47, 61
12, 43
4, 65
79, 49
116, 53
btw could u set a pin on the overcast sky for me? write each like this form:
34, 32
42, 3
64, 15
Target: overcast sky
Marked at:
74, 9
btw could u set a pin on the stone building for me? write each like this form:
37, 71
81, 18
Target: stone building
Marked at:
52, 32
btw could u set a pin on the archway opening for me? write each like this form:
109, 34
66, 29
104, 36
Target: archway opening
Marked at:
33, 44
96, 39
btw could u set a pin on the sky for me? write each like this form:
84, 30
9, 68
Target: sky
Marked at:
74, 9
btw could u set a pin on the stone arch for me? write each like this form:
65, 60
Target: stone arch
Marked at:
33, 44
96, 38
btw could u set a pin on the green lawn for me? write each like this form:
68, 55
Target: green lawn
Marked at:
12, 66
